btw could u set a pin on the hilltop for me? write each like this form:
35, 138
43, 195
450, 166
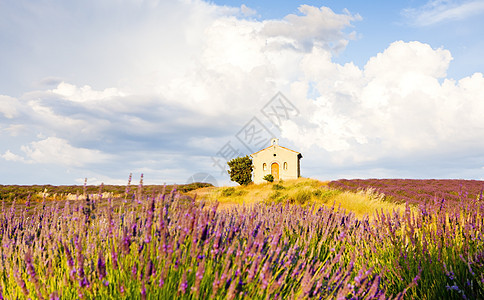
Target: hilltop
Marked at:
302, 191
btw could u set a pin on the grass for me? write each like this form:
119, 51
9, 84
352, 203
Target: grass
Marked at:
302, 191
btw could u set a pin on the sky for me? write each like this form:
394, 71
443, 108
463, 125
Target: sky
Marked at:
173, 89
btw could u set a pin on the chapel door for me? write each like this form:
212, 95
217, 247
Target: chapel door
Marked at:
275, 171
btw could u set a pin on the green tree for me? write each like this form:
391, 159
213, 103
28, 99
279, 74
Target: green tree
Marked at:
241, 170
269, 178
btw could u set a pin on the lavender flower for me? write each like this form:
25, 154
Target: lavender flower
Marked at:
114, 257
128, 186
134, 270
143, 291
21, 282
101, 266
30, 267
183, 284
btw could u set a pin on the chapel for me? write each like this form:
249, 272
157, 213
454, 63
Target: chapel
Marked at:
281, 162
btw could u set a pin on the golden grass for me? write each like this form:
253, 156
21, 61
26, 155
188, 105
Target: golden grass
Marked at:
303, 191
365, 203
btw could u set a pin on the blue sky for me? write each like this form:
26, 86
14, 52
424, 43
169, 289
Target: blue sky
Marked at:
100, 89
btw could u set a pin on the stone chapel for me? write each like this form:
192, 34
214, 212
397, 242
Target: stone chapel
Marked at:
281, 162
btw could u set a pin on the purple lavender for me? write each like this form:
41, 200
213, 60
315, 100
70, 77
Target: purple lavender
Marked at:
101, 266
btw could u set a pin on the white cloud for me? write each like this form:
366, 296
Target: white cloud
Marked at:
317, 26
85, 93
437, 11
45, 116
9, 156
247, 11
414, 58
8, 106
57, 151
394, 107
14, 129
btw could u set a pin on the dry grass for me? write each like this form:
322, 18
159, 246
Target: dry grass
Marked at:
365, 203
302, 191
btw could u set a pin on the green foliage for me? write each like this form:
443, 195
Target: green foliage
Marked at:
268, 178
301, 197
278, 197
232, 192
325, 194
277, 187
241, 170
228, 192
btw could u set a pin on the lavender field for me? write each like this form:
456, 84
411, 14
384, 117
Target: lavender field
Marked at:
169, 246
416, 191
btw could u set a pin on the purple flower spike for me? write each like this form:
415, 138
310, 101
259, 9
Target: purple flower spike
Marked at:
126, 242
21, 283
114, 257
143, 291
134, 271
30, 266
53, 296
101, 266
83, 282
183, 284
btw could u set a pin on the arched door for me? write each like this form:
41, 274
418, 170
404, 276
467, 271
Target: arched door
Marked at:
275, 171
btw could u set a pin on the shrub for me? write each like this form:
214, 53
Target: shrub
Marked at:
228, 192
278, 197
278, 186
268, 178
232, 192
325, 194
302, 196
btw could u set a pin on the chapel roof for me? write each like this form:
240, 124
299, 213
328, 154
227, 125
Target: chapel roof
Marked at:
275, 146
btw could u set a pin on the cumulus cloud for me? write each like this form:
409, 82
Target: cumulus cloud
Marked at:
317, 26
53, 150
14, 130
85, 93
8, 106
402, 58
437, 11
396, 106
9, 156
247, 11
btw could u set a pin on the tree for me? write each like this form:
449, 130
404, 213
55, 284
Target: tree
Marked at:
269, 178
241, 170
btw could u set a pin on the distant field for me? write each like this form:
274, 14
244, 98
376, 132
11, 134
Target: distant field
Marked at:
416, 191
37, 193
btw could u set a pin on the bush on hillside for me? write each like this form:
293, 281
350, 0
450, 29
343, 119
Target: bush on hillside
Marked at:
241, 170
268, 178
